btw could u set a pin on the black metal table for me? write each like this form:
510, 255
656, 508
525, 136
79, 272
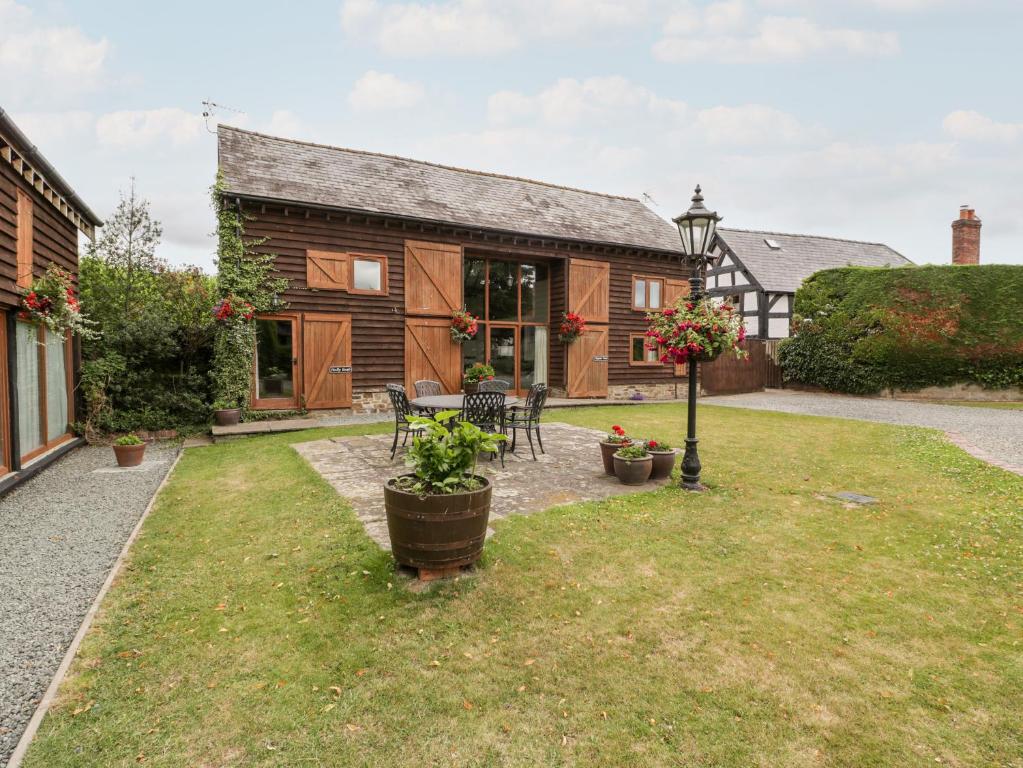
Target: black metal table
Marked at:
452, 402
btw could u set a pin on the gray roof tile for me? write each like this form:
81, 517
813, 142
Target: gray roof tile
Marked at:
783, 271
255, 165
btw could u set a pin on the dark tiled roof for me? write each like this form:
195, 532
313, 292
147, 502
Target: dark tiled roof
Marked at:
255, 165
783, 270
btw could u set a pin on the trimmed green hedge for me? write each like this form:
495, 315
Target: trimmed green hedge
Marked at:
862, 330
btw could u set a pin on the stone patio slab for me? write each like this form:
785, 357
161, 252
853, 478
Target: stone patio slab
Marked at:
570, 471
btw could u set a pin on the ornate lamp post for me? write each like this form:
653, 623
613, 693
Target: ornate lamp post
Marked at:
697, 226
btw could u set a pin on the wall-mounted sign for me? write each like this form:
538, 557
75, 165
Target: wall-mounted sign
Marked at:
340, 369
600, 358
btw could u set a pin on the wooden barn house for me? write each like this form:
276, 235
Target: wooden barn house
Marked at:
40, 218
760, 272
379, 251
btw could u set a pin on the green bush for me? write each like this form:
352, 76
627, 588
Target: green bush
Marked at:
862, 330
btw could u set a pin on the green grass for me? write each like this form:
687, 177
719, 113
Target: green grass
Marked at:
1004, 405
760, 623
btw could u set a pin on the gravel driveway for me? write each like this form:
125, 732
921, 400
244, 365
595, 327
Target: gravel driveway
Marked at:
997, 433
60, 533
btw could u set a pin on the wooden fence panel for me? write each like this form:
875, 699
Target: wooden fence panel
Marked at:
730, 376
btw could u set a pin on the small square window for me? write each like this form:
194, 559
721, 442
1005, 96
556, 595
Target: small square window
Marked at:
369, 274
638, 352
647, 293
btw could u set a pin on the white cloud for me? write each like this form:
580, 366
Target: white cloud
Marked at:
144, 128
569, 102
379, 91
40, 61
728, 32
967, 125
284, 123
480, 27
752, 124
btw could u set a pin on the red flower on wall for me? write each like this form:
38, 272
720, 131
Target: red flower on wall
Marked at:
572, 327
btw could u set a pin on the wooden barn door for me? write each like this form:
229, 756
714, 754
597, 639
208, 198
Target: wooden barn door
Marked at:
433, 290
587, 364
589, 295
431, 354
673, 291
433, 278
327, 360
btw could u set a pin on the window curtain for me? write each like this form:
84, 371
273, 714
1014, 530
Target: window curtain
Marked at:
540, 343
56, 386
30, 432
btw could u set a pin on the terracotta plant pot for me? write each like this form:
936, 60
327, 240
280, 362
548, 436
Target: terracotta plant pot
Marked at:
633, 471
607, 452
227, 417
470, 388
664, 462
437, 532
129, 455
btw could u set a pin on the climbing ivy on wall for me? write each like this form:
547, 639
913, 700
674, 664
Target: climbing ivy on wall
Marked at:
243, 274
863, 330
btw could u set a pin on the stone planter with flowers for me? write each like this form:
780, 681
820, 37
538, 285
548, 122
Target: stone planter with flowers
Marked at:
633, 464
663, 456
474, 374
615, 439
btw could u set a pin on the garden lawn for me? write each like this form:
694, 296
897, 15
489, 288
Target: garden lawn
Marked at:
760, 623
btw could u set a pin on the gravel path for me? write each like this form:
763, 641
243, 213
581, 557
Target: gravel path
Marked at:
997, 433
60, 533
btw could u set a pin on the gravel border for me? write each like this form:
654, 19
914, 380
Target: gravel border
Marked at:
995, 435
61, 533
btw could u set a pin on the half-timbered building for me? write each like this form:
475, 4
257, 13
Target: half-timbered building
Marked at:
380, 250
40, 218
760, 272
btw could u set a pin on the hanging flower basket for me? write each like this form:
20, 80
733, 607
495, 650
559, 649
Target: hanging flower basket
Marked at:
464, 326
51, 301
701, 330
232, 309
572, 327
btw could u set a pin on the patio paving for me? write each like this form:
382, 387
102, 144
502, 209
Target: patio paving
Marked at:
570, 471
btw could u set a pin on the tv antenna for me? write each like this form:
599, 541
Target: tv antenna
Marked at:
210, 111
648, 199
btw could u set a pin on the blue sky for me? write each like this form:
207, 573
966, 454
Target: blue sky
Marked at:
867, 119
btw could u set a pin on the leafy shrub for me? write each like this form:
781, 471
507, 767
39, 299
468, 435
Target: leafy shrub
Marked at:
128, 440
443, 456
862, 330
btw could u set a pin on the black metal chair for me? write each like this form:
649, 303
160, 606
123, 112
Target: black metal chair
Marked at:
495, 385
527, 417
428, 388
486, 411
402, 413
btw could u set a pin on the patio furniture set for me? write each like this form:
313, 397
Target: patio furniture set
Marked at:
491, 409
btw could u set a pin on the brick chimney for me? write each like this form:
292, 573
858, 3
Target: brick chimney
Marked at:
966, 237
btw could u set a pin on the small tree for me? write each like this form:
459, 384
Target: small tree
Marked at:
243, 274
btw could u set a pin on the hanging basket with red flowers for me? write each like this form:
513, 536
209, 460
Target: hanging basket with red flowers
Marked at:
572, 327
464, 326
51, 301
700, 330
232, 309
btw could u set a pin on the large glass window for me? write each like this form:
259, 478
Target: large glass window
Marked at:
512, 300
369, 274
504, 291
274, 355
30, 427
536, 293
56, 386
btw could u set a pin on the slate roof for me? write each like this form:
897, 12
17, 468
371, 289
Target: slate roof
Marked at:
783, 271
267, 167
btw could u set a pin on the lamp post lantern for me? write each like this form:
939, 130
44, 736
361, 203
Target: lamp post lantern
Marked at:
697, 227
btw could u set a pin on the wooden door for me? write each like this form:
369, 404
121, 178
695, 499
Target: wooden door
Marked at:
431, 354
433, 278
327, 360
589, 289
587, 363
673, 291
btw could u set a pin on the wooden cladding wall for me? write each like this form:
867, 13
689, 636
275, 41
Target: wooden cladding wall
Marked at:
378, 322
54, 237
731, 376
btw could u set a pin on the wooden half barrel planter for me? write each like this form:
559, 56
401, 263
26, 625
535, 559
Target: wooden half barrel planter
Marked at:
439, 533
227, 417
